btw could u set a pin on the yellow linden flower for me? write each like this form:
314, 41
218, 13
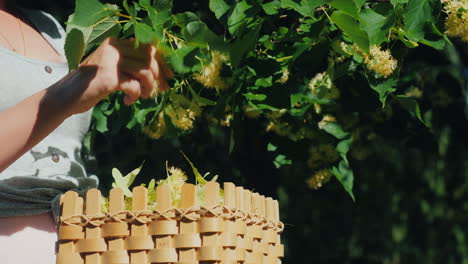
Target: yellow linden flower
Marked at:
157, 129
251, 112
183, 112
280, 128
414, 92
276, 125
319, 178
322, 86
175, 179
210, 73
457, 19
325, 120
378, 60
226, 122
346, 48
284, 77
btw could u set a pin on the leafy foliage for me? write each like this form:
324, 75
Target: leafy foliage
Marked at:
271, 94
231, 61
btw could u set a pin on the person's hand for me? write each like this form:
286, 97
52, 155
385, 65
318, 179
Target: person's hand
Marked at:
117, 66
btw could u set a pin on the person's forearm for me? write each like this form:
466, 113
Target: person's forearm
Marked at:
27, 123
116, 65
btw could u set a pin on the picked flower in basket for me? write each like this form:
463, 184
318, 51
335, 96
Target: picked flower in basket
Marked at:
199, 225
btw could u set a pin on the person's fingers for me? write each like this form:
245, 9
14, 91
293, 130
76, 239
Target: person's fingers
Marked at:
129, 51
159, 83
131, 87
144, 64
141, 72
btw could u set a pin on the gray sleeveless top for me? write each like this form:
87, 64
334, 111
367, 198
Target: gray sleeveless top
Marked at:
34, 183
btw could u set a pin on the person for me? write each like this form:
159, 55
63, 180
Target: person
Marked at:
44, 113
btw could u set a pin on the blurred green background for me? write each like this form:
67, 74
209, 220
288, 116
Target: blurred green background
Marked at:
411, 182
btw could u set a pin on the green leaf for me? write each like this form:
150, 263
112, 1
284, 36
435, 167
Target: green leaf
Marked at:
75, 46
396, 2
141, 115
130, 178
264, 82
219, 8
255, 97
289, 4
91, 23
100, 120
145, 4
408, 43
163, 4
335, 130
343, 148
179, 59
345, 176
438, 44
359, 3
199, 178
272, 8
125, 182
239, 17
304, 7
130, 9
196, 32
281, 161
352, 29
417, 13
376, 25
89, 12
346, 6
420, 23
271, 147
120, 183
384, 89
158, 18
152, 184
107, 28
182, 19
307, 7
243, 45
144, 33
201, 100
263, 106
412, 106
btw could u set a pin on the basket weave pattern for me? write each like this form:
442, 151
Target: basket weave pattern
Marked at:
244, 229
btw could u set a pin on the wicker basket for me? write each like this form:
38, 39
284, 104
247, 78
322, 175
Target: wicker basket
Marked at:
244, 229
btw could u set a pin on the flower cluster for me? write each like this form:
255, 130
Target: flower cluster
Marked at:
377, 60
380, 61
321, 85
156, 128
183, 112
319, 178
457, 19
210, 75
284, 76
276, 125
175, 179
325, 120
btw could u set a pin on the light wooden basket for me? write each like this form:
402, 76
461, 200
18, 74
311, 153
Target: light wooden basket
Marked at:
245, 228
